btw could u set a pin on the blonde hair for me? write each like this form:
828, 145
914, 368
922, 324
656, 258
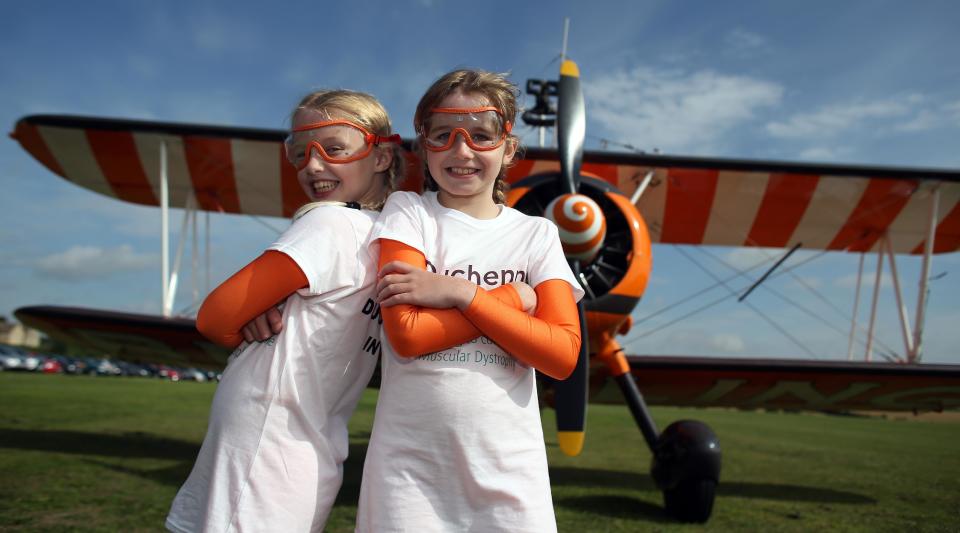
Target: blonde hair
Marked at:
498, 91
367, 111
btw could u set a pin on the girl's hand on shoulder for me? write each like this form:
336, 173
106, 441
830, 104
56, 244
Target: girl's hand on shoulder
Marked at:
263, 327
528, 297
401, 283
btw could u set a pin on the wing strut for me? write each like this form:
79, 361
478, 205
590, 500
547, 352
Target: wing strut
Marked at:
908, 345
925, 277
642, 187
164, 233
856, 308
912, 341
189, 223
873, 306
188, 212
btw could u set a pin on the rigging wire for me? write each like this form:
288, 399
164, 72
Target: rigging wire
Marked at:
750, 305
795, 304
604, 142
631, 338
695, 294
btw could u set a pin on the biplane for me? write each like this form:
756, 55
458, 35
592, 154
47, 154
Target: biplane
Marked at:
611, 208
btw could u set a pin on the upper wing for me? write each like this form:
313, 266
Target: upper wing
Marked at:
728, 202
231, 170
225, 169
689, 200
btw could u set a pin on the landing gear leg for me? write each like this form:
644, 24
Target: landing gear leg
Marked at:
686, 456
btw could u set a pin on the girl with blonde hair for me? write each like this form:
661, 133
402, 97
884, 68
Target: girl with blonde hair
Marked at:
272, 459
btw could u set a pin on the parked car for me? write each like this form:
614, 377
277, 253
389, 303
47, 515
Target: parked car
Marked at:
71, 365
10, 358
92, 366
17, 359
31, 362
52, 365
167, 372
133, 369
192, 374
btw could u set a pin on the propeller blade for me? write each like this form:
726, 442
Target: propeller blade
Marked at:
570, 395
571, 125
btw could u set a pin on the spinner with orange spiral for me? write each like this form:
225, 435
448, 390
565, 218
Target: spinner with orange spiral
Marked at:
581, 225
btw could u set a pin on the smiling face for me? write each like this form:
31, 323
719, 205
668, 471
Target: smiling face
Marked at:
463, 174
356, 181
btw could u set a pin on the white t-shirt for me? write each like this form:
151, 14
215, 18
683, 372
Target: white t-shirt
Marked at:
272, 459
457, 443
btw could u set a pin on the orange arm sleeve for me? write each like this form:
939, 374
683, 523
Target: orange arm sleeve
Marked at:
548, 341
262, 284
414, 331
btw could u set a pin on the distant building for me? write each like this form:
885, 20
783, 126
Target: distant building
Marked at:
17, 334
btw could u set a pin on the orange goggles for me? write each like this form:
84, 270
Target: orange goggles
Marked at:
335, 141
482, 128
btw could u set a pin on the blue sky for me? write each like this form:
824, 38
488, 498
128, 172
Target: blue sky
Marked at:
852, 82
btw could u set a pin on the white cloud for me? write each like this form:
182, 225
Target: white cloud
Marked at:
924, 120
93, 262
824, 153
703, 342
866, 281
676, 110
744, 258
908, 113
726, 342
836, 118
952, 112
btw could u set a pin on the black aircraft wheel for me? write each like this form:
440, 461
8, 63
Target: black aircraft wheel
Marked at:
691, 500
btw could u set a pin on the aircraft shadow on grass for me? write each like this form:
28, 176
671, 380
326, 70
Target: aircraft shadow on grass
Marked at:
135, 445
624, 506
130, 445
146, 445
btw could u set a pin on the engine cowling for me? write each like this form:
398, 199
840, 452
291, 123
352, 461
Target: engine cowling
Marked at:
615, 278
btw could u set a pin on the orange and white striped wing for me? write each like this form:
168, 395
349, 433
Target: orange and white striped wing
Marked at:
229, 170
772, 204
689, 200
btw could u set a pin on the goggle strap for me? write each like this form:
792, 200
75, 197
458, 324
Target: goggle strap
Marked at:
465, 110
377, 139
321, 124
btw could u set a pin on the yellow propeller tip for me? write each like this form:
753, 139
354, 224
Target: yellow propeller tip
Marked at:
571, 442
569, 68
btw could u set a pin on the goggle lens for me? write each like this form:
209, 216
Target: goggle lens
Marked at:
335, 141
482, 129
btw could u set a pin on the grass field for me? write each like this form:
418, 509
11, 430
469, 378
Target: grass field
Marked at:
108, 454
